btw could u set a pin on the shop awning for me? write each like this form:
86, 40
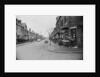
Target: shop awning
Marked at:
65, 40
54, 33
65, 27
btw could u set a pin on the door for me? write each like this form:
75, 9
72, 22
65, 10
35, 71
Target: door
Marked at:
73, 37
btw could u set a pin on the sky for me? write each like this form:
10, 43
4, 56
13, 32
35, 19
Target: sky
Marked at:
42, 24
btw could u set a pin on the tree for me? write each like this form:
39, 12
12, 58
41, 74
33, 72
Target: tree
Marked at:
50, 30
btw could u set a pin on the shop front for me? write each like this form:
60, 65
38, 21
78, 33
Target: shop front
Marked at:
73, 36
65, 35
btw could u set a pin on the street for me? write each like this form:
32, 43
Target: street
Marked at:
43, 51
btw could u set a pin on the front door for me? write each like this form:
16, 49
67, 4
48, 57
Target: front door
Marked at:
73, 36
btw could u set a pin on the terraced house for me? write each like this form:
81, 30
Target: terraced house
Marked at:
68, 31
22, 33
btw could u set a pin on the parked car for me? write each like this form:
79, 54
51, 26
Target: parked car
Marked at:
38, 40
45, 41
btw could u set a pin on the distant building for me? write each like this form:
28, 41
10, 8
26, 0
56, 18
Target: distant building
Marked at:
23, 34
31, 34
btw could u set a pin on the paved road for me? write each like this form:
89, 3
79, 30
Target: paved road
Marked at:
39, 51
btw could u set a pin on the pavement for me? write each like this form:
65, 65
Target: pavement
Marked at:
62, 49
22, 44
43, 51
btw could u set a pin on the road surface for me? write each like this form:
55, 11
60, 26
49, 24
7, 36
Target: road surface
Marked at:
39, 51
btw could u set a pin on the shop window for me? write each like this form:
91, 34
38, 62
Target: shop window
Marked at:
66, 36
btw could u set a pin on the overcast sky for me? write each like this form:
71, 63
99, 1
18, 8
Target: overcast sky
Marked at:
41, 24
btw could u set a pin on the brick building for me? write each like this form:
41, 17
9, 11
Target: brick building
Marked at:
21, 30
68, 31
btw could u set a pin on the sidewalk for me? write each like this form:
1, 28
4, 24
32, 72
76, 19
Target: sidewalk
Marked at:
21, 44
62, 49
